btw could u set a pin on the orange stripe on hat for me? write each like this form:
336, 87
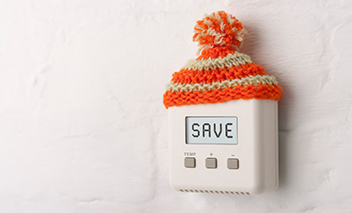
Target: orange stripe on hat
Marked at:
261, 91
185, 76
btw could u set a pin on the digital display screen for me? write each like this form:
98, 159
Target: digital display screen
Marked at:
211, 130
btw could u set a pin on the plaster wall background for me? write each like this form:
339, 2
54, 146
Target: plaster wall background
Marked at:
83, 127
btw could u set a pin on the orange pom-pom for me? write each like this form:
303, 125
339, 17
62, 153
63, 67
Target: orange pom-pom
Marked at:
219, 30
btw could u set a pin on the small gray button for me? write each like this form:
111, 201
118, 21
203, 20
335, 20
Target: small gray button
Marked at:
190, 162
211, 163
232, 163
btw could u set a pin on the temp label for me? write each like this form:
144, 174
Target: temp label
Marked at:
211, 130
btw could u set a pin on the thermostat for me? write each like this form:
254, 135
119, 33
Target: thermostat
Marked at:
223, 116
229, 148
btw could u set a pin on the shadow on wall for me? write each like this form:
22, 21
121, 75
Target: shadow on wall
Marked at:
252, 47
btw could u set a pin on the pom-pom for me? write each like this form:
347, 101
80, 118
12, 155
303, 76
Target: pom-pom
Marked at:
218, 30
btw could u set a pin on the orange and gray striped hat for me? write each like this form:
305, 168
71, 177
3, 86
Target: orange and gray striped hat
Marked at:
220, 73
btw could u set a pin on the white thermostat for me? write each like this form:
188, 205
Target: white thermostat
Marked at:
223, 116
227, 148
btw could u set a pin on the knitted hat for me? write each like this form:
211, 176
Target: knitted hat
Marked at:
220, 73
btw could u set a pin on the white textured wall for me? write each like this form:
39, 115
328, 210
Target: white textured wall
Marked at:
83, 127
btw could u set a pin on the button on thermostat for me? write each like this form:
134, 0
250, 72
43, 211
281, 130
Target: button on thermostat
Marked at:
190, 162
232, 163
211, 163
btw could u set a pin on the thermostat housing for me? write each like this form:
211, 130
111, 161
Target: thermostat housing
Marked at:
229, 148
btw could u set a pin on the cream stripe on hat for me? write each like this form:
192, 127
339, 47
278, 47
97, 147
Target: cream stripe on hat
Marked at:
222, 84
230, 60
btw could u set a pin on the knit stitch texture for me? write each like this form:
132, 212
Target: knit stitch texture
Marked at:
220, 73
